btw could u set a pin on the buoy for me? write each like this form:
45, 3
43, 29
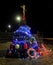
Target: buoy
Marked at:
28, 52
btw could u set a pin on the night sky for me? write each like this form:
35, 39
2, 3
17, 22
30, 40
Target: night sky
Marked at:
39, 15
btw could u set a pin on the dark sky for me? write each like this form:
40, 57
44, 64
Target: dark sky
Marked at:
39, 15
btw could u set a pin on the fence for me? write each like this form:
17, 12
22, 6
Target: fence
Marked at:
4, 37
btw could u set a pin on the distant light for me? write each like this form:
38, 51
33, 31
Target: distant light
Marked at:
9, 26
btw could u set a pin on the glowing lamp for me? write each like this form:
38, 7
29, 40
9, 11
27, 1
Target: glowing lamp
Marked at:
18, 18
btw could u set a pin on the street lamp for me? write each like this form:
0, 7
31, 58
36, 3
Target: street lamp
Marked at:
9, 26
18, 19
